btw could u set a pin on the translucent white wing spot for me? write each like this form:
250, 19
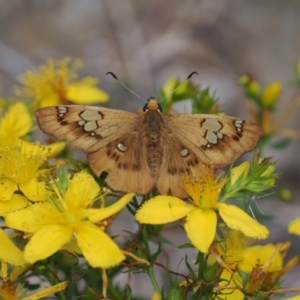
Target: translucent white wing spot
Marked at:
184, 152
91, 115
211, 125
211, 137
90, 126
219, 135
121, 147
238, 125
89, 120
213, 133
61, 111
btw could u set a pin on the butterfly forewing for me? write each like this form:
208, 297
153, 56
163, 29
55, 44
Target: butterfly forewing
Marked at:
87, 128
215, 139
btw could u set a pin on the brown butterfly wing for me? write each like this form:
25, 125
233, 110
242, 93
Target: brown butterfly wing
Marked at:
86, 128
174, 164
125, 159
195, 140
110, 138
215, 139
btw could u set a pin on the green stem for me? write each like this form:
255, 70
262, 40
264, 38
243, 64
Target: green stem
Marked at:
150, 271
145, 239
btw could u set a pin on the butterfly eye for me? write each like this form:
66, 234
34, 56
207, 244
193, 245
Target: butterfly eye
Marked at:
145, 108
159, 108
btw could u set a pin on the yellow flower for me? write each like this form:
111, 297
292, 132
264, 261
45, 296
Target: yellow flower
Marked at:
19, 170
67, 217
264, 263
57, 82
236, 252
15, 124
294, 226
9, 290
201, 214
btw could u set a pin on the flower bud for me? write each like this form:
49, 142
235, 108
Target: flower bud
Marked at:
270, 94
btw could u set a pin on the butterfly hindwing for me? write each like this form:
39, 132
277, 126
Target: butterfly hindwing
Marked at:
125, 160
178, 159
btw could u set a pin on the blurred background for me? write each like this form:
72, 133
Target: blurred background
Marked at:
146, 42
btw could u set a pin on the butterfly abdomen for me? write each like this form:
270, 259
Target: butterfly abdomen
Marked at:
153, 124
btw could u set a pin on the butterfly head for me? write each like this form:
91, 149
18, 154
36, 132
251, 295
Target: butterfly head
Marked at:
152, 104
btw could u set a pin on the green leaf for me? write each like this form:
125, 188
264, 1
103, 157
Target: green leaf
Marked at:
191, 270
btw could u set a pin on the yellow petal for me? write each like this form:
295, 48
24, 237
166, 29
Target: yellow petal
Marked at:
18, 271
251, 255
294, 227
48, 291
230, 294
7, 189
85, 91
98, 249
9, 252
33, 189
163, 209
293, 298
235, 218
50, 151
201, 228
15, 203
47, 241
72, 247
82, 191
17, 121
55, 148
32, 218
52, 99
96, 215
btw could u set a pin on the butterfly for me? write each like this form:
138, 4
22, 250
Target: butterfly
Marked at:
141, 152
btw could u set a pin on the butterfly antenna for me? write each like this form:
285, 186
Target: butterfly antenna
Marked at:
127, 88
189, 77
